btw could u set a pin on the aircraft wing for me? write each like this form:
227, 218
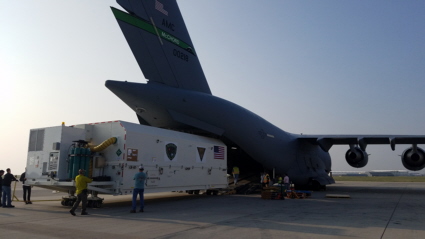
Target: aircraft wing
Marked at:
327, 141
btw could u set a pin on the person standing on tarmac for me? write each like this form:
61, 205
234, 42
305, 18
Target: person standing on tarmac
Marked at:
139, 189
279, 180
235, 173
286, 181
81, 182
1, 184
7, 181
26, 188
263, 174
282, 191
266, 180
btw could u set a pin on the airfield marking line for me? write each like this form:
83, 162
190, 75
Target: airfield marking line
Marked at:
392, 214
210, 224
32, 222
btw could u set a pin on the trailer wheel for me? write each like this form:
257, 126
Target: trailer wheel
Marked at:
63, 202
215, 192
196, 192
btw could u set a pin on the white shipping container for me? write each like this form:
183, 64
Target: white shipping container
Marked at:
173, 161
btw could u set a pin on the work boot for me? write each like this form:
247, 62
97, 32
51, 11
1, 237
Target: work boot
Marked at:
72, 212
29, 202
84, 213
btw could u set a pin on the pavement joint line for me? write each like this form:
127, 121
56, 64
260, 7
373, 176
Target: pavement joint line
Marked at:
50, 200
208, 225
392, 214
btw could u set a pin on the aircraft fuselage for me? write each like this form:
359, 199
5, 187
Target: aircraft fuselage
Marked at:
169, 107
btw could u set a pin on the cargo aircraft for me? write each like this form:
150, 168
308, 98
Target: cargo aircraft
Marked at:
177, 96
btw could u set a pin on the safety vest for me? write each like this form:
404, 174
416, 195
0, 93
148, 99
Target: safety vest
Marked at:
266, 178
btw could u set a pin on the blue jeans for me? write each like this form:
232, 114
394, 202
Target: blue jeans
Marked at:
235, 178
6, 196
138, 191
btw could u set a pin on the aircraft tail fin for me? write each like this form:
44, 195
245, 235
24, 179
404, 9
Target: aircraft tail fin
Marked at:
158, 37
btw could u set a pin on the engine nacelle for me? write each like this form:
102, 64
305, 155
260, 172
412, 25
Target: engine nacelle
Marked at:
356, 157
413, 158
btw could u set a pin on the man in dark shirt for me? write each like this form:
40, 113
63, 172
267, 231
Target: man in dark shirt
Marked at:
1, 184
26, 188
7, 181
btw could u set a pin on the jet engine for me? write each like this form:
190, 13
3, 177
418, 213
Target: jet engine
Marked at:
356, 157
413, 158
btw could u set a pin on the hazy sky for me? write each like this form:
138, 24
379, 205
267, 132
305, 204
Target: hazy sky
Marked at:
312, 67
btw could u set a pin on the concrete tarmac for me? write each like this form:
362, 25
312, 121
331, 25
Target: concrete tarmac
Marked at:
375, 210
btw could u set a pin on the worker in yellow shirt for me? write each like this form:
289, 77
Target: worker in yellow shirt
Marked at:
235, 173
81, 182
280, 180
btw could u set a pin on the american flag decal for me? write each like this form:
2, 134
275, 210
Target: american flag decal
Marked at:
160, 7
218, 152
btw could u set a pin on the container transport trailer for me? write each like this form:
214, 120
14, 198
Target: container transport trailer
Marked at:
111, 153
